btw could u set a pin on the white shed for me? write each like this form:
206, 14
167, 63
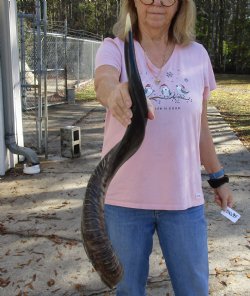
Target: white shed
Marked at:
11, 129
3, 163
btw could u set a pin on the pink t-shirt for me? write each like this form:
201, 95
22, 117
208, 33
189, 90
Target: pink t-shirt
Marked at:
164, 174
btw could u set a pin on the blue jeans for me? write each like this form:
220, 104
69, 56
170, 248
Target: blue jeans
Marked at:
183, 240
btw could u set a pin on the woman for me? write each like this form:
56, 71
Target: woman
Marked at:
159, 188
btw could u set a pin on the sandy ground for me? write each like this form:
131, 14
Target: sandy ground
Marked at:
41, 252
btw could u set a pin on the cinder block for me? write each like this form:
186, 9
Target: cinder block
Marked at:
71, 141
71, 95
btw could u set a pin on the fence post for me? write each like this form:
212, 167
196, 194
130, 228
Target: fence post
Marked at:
56, 66
39, 71
45, 66
23, 60
92, 63
78, 64
35, 60
65, 55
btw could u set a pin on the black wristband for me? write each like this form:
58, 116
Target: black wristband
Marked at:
215, 183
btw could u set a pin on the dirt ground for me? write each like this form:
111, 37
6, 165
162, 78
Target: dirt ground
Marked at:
41, 251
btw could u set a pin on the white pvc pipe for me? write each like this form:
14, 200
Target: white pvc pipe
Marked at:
2, 141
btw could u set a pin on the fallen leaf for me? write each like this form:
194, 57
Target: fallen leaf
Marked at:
19, 253
77, 259
38, 253
60, 254
217, 271
51, 283
55, 291
71, 244
56, 239
4, 282
29, 285
224, 283
3, 270
2, 229
24, 264
79, 287
236, 259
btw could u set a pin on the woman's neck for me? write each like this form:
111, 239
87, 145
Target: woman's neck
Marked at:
154, 39
153, 36
158, 47
155, 48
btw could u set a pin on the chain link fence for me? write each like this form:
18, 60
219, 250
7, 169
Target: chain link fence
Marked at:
51, 63
28, 73
80, 55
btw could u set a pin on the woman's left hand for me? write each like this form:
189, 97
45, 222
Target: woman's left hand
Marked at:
223, 196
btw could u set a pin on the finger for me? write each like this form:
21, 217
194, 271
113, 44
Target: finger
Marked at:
122, 114
217, 201
126, 100
230, 201
224, 203
151, 110
125, 105
118, 107
123, 119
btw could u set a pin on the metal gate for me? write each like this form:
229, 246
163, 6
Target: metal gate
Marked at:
52, 60
33, 45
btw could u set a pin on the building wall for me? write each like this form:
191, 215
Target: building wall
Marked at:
10, 81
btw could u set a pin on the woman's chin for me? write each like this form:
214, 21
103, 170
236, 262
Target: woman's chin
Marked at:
157, 22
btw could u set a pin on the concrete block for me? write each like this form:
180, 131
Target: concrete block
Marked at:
71, 95
70, 141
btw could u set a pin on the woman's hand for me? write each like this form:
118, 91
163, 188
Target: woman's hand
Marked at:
115, 95
119, 104
223, 196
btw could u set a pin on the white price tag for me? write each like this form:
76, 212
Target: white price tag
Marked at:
231, 215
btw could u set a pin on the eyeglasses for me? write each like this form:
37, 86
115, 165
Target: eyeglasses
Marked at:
166, 3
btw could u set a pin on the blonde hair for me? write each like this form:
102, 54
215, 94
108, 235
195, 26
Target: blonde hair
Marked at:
182, 28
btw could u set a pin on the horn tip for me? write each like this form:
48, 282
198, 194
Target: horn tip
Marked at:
128, 24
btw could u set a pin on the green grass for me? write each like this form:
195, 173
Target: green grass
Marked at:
232, 99
86, 93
